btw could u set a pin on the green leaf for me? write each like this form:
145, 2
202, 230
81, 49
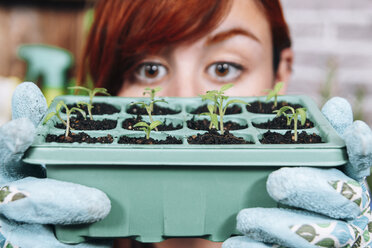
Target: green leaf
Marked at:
211, 108
307, 232
155, 124
283, 110
236, 101
59, 106
226, 87
80, 88
140, 104
141, 124
270, 95
157, 89
208, 97
278, 87
327, 242
160, 100
143, 129
101, 91
302, 113
82, 103
63, 104
212, 92
48, 117
82, 112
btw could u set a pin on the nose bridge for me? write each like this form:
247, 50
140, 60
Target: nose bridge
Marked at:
185, 74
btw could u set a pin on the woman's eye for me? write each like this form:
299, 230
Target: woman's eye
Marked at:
151, 72
224, 71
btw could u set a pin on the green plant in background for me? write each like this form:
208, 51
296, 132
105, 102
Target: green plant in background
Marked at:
327, 88
68, 114
148, 127
217, 96
274, 93
91, 94
360, 95
213, 116
150, 106
292, 116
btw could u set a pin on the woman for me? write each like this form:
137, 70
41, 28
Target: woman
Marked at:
187, 48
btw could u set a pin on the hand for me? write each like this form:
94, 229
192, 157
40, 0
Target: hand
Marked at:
28, 204
333, 209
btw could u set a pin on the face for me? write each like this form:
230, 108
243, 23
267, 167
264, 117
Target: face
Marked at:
238, 51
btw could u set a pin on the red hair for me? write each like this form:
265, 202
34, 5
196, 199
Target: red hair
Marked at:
279, 28
125, 31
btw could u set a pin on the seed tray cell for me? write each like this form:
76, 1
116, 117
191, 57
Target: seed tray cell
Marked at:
180, 190
243, 155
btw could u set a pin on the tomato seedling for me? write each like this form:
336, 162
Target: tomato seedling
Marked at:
292, 116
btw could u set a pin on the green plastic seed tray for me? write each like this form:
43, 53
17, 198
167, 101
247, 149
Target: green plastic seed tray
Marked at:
179, 190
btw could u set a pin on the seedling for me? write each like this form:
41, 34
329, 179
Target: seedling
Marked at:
68, 114
150, 106
213, 116
217, 96
292, 116
274, 93
147, 128
91, 94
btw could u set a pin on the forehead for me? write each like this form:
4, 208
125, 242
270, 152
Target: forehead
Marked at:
247, 15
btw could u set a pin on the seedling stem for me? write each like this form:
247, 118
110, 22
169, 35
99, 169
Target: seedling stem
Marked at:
293, 116
217, 96
150, 106
147, 128
274, 93
91, 94
68, 113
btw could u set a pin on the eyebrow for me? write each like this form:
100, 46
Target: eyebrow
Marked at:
229, 34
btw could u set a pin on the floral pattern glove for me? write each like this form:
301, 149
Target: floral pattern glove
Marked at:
328, 208
28, 204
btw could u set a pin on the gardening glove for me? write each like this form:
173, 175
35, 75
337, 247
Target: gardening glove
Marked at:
330, 208
28, 204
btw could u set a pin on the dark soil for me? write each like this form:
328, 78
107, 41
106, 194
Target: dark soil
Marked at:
234, 109
129, 123
213, 137
268, 108
150, 141
158, 110
204, 125
98, 109
281, 123
79, 137
81, 124
288, 138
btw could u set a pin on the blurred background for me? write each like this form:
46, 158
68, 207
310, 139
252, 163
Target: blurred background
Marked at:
332, 41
